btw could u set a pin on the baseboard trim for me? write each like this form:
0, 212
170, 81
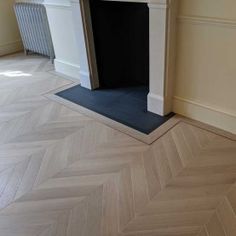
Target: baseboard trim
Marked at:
11, 47
67, 69
206, 114
85, 80
156, 104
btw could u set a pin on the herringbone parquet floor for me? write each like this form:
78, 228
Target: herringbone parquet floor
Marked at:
64, 174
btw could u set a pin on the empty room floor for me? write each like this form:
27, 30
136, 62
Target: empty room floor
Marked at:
65, 174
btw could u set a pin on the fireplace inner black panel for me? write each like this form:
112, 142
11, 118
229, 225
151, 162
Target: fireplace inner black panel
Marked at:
121, 37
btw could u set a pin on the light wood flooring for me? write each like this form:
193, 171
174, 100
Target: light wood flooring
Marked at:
65, 174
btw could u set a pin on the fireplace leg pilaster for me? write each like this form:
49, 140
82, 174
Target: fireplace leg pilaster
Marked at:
162, 56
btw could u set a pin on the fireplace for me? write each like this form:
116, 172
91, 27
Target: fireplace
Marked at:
128, 43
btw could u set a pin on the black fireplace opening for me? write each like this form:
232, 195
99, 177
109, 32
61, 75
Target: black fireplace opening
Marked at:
121, 38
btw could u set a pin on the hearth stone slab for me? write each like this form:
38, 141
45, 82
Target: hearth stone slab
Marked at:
127, 106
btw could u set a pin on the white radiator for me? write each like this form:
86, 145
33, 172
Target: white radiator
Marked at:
34, 28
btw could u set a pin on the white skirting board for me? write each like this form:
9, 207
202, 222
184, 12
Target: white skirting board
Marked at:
156, 104
206, 114
11, 47
67, 69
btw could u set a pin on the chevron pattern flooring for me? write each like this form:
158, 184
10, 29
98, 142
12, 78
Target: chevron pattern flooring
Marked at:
65, 174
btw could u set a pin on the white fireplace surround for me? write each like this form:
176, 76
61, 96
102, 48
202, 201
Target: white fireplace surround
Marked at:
162, 14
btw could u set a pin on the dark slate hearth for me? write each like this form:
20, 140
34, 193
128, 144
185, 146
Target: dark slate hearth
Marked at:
125, 105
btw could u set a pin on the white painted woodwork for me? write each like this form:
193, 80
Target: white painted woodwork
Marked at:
84, 39
157, 31
162, 55
63, 35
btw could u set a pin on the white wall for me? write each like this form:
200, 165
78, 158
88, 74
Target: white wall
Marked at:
206, 62
10, 41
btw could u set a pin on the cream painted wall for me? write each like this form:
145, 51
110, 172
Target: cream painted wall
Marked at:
205, 87
10, 41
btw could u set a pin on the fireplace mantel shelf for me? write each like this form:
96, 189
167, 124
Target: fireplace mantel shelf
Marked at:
141, 1
160, 2
68, 2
